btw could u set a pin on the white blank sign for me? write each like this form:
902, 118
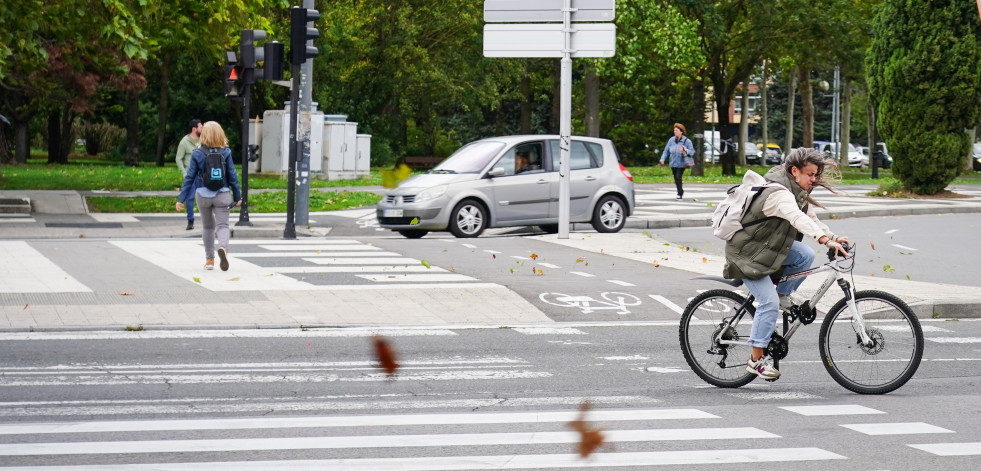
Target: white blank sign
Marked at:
548, 40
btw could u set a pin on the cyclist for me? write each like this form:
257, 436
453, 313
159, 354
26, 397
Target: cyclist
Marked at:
760, 253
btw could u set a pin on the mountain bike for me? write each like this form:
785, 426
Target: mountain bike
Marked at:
870, 341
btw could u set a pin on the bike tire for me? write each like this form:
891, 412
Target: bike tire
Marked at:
890, 362
721, 366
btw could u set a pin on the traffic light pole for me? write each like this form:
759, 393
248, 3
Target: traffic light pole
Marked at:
290, 231
243, 215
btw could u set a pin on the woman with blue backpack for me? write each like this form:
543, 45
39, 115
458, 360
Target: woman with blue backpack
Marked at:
212, 161
681, 153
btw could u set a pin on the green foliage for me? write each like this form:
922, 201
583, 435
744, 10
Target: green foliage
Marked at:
924, 71
263, 202
100, 137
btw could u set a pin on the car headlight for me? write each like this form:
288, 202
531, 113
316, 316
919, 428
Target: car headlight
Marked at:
431, 193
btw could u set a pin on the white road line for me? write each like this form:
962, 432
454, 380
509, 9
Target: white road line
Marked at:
549, 265
845, 409
951, 449
352, 421
891, 231
25, 270
417, 278
361, 253
466, 463
769, 396
222, 334
621, 283
270, 242
492, 252
903, 247
665, 301
469, 246
955, 339
518, 257
549, 331
362, 261
362, 269
587, 275
377, 441
900, 428
324, 247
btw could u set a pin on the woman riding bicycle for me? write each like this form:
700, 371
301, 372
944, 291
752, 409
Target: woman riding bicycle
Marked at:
760, 253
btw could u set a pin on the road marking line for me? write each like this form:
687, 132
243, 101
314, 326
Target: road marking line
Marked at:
903, 247
900, 428
25, 270
670, 305
361, 261
587, 275
549, 331
951, 449
360, 269
549, 265
377, 253
469, 246
844, 409
411, 278
621, 283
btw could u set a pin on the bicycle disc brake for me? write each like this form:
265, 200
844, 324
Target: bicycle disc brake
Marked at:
778, 347
730, 334
878, 341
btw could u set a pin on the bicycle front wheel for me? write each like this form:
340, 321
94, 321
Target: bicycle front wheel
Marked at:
896, 350
708, 317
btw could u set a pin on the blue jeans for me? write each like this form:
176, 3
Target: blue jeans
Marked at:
768, 302
190, 202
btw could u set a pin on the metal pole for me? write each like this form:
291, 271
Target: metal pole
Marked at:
303, 135
835, 131
243, 215
290, 231
565, 120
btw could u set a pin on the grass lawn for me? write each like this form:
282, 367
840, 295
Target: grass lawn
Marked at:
93, 174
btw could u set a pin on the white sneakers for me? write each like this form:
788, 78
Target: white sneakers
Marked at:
763, 368
786, 302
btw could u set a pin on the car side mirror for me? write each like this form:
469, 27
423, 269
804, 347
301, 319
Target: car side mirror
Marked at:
497, 172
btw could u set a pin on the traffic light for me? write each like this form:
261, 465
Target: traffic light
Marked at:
300, 33
273, 67
252, 57
233, 75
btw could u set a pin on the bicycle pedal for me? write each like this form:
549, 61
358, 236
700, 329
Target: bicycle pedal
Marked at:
770, 380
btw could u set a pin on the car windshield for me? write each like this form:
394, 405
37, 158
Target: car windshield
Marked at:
470, 158
977, 147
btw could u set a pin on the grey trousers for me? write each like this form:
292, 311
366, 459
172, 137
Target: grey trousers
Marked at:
214, 221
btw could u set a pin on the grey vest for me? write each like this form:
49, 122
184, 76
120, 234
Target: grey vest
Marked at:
760, 250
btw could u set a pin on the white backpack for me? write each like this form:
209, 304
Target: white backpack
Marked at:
728, 215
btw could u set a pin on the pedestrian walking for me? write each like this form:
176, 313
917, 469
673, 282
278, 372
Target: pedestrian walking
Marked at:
187, 145
682, 156
218, 193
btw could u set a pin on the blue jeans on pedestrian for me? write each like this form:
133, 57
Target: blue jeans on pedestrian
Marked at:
768, 302
190, 202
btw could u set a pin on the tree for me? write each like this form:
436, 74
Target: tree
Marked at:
924, 73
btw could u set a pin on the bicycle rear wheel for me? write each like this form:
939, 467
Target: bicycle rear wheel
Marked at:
897, 344
703, 319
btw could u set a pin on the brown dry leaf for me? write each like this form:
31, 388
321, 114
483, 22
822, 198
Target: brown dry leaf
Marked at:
494, 256
705, 260
385, 354
656, 264
25, 306
540, 272
591, 438
126, 293
534, 256
872, 244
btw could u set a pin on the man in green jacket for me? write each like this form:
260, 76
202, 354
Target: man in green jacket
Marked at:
184, 149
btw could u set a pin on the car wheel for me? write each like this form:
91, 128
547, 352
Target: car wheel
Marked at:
609, 214
413, 233
468, 219
549, 228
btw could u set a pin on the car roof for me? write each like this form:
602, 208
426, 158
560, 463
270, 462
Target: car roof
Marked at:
529, 137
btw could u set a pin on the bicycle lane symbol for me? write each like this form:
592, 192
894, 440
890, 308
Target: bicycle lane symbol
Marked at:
587, 304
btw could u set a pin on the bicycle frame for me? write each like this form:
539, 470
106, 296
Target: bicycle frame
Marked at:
836, 273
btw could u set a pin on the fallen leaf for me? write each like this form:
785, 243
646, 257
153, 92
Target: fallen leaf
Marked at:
704, 260
25, 306
580, 260
234, 279
872, 244
426, 264
656, 264
385, 355
512, 270
888, 269
414, 221
534, 256
196, 279
540, 272
494, 256
126, 293
591, 438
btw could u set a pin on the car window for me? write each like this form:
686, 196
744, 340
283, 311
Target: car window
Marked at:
522, 159
579, 156
470, 158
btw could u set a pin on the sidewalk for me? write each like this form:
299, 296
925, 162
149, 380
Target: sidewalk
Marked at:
63, 215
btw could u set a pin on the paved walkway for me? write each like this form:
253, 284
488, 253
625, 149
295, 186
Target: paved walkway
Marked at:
62, 215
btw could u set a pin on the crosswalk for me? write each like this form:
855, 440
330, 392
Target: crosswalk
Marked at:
633, 438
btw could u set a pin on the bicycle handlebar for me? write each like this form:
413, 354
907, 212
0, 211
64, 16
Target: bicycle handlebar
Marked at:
833, 254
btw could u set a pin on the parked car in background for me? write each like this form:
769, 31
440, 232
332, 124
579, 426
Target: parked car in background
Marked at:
831, 150
486, 184
886, 158
711, 153
753, 154
773, 154
976, 154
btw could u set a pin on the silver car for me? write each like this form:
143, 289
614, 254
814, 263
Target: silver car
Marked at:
512, 181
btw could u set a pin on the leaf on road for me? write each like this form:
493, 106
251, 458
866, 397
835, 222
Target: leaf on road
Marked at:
704, 260
234, 279
648, 234
126, 293
25, 306
872, 244
888, 269
591, 438
385, 355
534, 256
494, 256
580, 260
426, 264
196, 279
656, 264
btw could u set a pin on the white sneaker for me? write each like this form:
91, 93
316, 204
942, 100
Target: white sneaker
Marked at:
790, 300
763, 368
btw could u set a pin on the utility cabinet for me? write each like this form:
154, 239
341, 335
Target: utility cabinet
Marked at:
276, 139
340, 149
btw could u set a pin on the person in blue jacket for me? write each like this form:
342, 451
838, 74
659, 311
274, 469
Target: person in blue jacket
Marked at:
682, 154
213, 205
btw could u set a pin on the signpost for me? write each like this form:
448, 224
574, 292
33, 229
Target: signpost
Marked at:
539, 34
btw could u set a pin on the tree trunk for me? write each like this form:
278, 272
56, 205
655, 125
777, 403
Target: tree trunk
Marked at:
54, 136
764, 128
807, 106
788, 141
592, 101
133, 129
743, 123
525, 104
23, 150
727, 156
165, 65
846, 124
698, 128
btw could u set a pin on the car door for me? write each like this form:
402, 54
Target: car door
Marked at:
585, 165
523, 195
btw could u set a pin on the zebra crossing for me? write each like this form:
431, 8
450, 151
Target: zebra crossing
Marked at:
655, 437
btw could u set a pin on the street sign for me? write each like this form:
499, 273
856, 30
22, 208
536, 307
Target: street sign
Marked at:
548, 40
518, 11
